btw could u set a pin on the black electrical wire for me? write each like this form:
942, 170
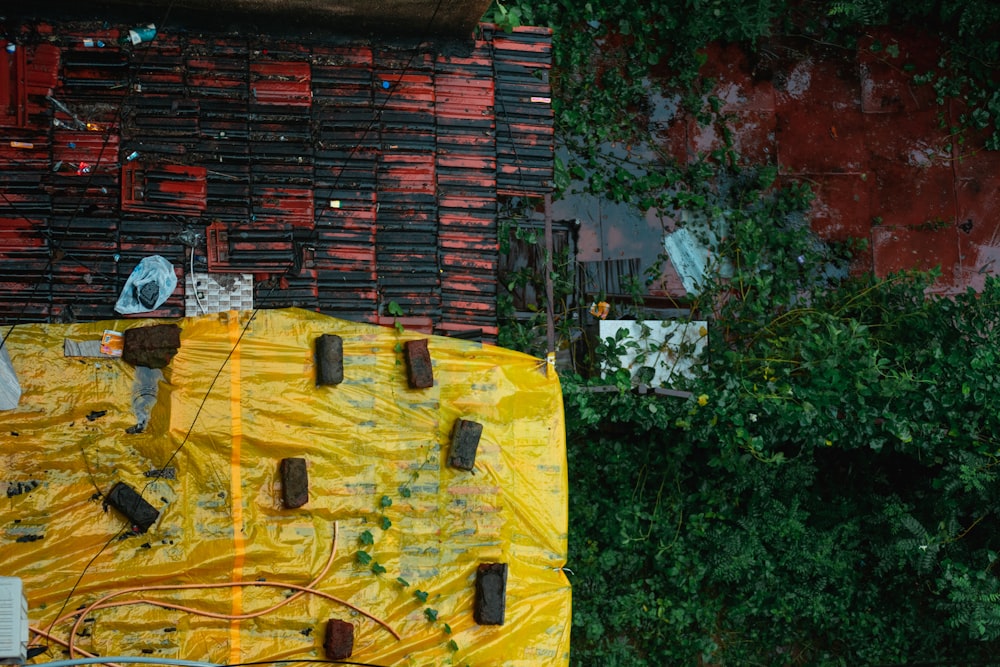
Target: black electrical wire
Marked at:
76, 584
208, 392
376, 117
378, 113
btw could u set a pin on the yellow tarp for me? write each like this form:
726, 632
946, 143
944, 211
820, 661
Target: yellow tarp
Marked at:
249, 402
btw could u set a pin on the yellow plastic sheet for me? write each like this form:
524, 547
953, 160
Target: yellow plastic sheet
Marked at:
236, 400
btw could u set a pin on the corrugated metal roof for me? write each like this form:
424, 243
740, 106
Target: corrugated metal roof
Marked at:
344, 176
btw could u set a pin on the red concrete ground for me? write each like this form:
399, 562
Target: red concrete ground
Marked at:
855, 126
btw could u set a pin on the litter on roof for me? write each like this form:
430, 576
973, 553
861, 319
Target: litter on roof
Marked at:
343, 175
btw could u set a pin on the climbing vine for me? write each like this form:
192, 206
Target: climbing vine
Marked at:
610, 57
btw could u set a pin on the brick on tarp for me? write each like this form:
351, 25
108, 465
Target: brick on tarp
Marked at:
152, 346
140, 513
294, 483
339, 641
418, 364
329, 360
464, 443
491, 593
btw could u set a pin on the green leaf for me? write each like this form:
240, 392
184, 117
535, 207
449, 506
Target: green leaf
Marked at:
377, 568
363, 557
431, 614
405, 491
394, 309
402, 582
420, 595
452, 645
386, 523
366, 537
447, 628
386, 501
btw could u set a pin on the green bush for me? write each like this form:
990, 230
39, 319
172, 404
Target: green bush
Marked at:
829, 494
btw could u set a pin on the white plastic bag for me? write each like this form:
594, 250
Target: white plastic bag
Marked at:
151, 283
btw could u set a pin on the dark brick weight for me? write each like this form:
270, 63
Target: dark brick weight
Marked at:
294, 483
339, 642
153, 346
464, 443
418, 364
140, 514
329, 360
491, 593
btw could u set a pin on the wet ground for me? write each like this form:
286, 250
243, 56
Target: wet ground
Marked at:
853, 124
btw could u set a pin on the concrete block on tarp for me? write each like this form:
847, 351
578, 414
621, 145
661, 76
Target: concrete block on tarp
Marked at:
140, 513
152, 346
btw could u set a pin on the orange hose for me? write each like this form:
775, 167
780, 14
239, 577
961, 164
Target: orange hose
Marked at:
63, 642
279, 605
102, 603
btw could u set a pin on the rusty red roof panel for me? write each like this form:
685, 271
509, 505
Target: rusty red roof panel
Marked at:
167, 188
30, 74
467, 167
525, 142
261, 248
72, 148
24, 150
281, 83
867, 138
293, 206
404, 82
13, 88
41, 69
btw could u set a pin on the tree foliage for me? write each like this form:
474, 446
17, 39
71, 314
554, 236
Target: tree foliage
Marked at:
829, 495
